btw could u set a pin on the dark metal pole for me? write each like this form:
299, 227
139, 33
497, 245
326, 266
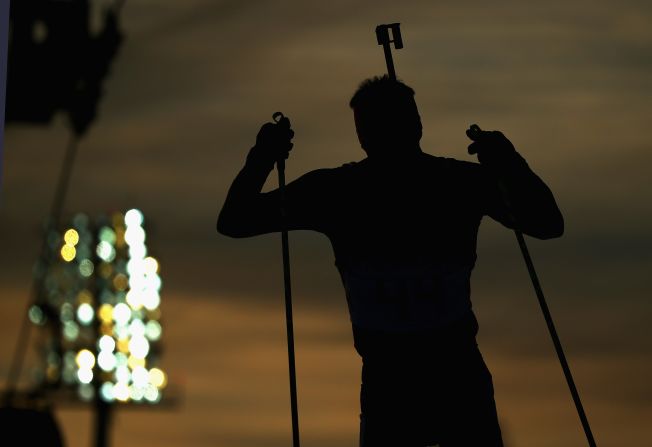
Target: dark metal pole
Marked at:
53, 221
547, 316
555, 338
103, 417
280, 165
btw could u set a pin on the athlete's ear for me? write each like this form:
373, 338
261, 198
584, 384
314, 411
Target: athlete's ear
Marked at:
360, 130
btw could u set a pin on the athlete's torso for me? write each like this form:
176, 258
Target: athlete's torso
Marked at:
404, 238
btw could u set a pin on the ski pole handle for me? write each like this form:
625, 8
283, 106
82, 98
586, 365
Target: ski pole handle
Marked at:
283, 121
382, 36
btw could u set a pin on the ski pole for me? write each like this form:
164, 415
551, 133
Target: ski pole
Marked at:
546, 311
555, 338
281, 120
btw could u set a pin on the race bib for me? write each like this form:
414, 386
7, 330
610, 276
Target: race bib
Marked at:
406, 298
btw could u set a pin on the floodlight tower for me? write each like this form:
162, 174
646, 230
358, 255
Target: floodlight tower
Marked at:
101, 305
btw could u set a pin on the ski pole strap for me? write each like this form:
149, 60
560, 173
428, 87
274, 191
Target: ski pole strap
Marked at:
382, 36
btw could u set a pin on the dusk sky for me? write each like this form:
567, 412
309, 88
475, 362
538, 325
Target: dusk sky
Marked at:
569, 82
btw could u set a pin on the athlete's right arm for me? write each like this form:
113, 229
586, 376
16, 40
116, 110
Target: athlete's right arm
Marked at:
242, 209
248, 212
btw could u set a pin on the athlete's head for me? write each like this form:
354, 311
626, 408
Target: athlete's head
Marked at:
386, 117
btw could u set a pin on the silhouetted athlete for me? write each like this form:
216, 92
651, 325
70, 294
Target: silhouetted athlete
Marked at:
403, 225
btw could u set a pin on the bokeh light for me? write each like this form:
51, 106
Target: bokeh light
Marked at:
105, 251
121, 314
86, 391
85, 313
70, 330
68, 252
121, 391
85, 375
139, 347
36, 315
86, 267
106, 343
133, 217
85, 359
105, 290
106, 392
106, 313
153, 330
157, 378
106, 361
71, 237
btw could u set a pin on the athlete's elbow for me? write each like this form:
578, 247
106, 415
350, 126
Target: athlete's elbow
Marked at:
553, 233
235, 228
553, 229
557, 225
234, 234
222, 228
227, 227
229, 231
559, 229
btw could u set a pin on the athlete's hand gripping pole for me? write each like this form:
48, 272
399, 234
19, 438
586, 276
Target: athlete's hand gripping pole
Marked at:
284, 123
382, 36
501, 145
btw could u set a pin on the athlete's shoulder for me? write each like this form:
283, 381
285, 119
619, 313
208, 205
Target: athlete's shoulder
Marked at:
342, 170
451, 163
457, 172
351, 165
326, 175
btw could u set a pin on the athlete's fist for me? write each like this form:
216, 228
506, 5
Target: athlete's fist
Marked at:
492, 147
273, 142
